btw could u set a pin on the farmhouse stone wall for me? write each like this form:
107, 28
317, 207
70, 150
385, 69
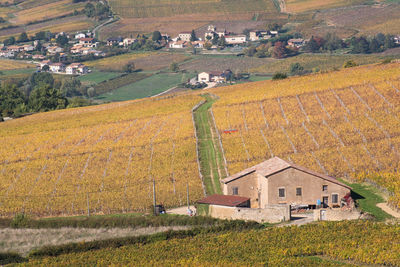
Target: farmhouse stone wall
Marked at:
336, 215
270, 214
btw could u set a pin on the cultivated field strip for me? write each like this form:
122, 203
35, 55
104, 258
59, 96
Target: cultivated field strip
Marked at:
101, 158
340, 131
170, 8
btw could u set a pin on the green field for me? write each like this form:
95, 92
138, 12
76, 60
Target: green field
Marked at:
98, 77
150, 86
16, 72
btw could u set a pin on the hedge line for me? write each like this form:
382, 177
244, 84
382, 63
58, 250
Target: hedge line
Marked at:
22, 221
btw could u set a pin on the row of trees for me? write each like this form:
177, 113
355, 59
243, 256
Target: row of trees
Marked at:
40, 92
23, 37
357, 45
99, 11
277, 50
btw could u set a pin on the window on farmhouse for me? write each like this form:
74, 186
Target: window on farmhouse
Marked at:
324, 188
335, 198
235, 191
298, 191
281, 192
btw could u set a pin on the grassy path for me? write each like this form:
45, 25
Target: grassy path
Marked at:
210, 153
368, 197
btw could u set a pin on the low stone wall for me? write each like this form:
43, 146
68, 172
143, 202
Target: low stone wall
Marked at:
270, 214
336, 215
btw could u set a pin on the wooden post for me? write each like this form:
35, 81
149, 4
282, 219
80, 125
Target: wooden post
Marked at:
88, 207
154, 196
187, 195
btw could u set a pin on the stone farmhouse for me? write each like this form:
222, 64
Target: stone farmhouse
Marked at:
235, 39
214, 76
276, 181
296, 42
76, 68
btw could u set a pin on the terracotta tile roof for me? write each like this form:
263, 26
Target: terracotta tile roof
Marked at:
274, 165
224, 200
86, 39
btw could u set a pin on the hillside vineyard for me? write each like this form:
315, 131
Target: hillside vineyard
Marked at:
344, 124
104, 157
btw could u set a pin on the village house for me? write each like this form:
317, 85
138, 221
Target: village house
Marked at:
397, 39
235, 39
88, 42
41, 57
296, 42
128, 41
198, 44
114, 41
44, 63
57, 67
80, 36
76, 68
276, 181
7, 54
28, 48
214, 76
177, 44
212, 30
261, 35
76, 49
54, 49
185, 36
15, 48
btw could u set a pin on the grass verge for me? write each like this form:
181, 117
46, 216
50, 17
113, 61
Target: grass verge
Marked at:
367, 196
211, 161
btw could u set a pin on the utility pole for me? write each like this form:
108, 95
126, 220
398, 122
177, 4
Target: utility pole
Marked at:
187, 195
154, 196
88, 207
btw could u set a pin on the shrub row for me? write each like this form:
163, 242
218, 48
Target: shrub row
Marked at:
22, 221
10, 257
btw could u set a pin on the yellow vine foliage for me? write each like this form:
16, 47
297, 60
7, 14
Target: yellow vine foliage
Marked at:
344, 124
104, 157
325, 244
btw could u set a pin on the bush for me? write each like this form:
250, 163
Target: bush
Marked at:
350, 64
279, 76
387, 60
20, 220
296, 69
10, 257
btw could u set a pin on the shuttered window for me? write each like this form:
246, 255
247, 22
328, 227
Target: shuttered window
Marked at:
281, 192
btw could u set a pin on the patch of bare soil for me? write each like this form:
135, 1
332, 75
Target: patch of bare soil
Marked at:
385, 207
